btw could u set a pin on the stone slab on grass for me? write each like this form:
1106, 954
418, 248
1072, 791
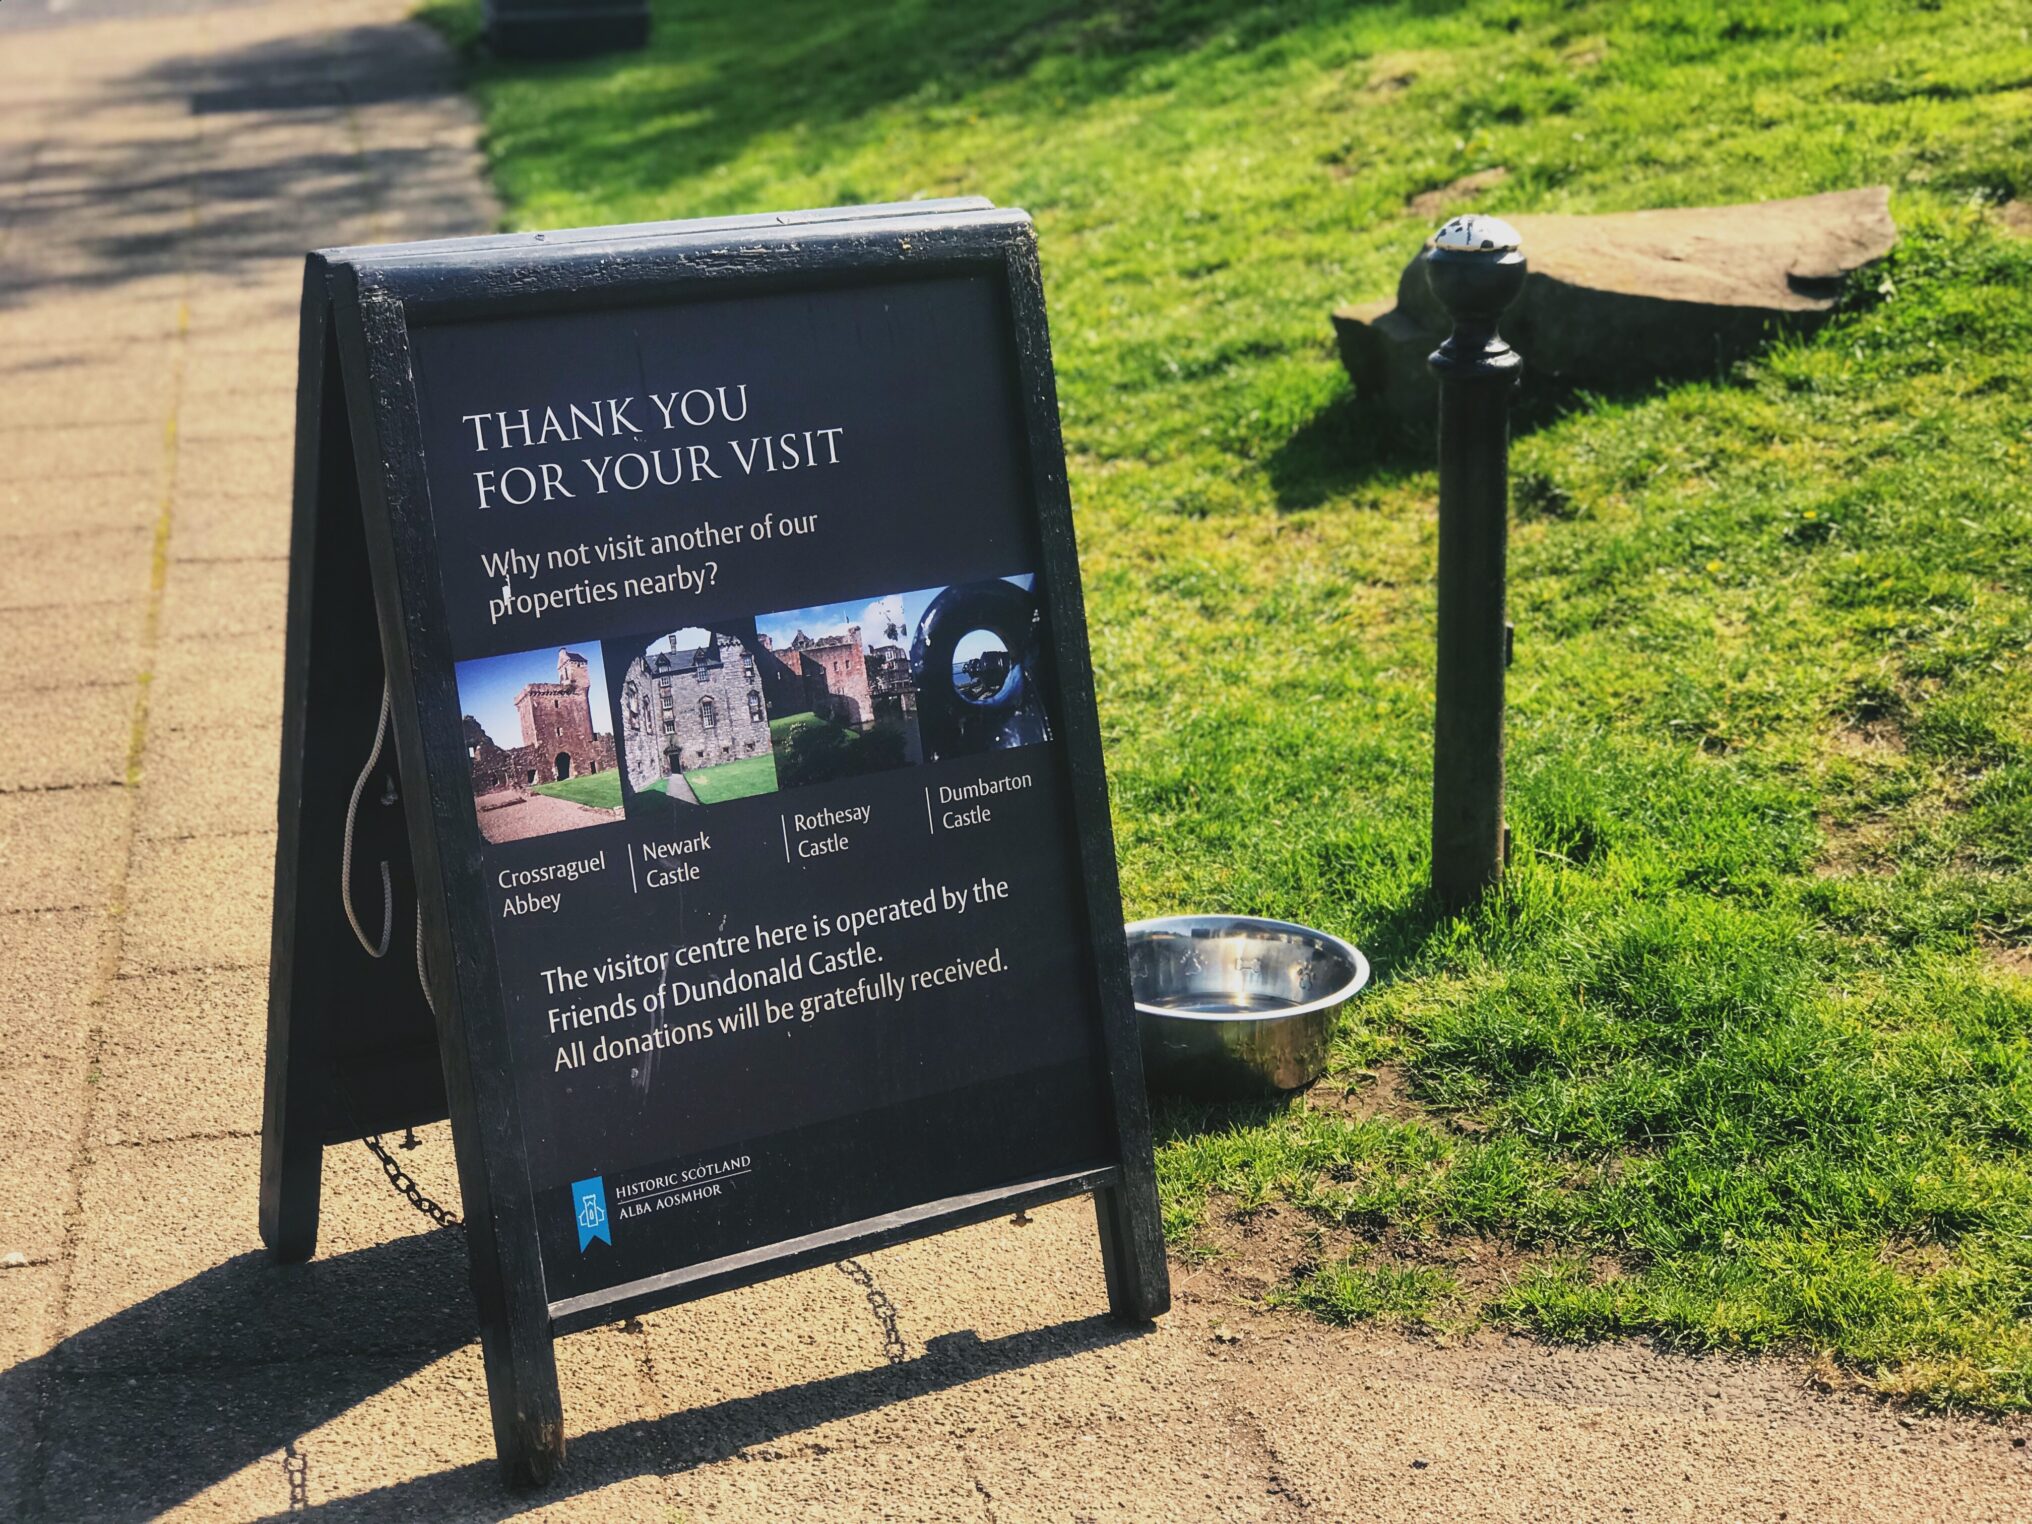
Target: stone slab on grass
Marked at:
1621, 301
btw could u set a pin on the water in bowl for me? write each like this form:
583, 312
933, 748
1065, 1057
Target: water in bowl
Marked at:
1218, 1003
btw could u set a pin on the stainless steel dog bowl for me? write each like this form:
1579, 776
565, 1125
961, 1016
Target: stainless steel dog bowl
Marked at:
1230, 1006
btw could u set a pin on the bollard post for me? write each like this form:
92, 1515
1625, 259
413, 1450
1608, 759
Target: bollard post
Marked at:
1475, 269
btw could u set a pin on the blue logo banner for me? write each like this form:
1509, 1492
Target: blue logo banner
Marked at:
589, 1208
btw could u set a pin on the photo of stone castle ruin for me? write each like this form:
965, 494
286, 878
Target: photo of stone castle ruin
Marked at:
562, 775
694, 723
839, 690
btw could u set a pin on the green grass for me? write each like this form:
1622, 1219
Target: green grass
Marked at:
733, 780
1740, 1057
811, 750
780, 729
1346, 1293
599, 791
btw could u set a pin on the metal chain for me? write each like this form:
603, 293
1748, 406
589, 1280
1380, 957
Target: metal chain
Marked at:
878, 1303
400, 1179
296, 1467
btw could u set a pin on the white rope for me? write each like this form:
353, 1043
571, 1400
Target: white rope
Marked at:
422, 978
346, 855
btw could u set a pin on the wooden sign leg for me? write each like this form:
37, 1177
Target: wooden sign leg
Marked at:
292, 1158
528, 1411
1132, 1252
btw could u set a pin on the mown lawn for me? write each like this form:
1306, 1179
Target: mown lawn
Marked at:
733, 780
1742, 1056
599, 791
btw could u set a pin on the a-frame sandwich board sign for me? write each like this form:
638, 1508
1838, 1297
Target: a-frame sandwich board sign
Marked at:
687, 676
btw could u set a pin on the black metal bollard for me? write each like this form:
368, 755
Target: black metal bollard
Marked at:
1475, 270
565, 28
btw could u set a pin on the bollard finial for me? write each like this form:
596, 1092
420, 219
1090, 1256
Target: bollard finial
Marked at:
1475, 267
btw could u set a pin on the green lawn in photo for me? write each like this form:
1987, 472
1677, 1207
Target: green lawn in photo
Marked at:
780, 728
1742, 1055
811, 750
733, 780
599, 791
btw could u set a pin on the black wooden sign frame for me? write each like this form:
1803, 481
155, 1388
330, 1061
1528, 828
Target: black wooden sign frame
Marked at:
354, 1048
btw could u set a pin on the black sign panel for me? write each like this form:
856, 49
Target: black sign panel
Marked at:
743, 762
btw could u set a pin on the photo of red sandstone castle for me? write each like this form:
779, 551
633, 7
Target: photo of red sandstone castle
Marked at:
838, 685
563, 775
866, 684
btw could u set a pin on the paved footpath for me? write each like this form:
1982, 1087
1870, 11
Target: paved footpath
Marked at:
162, 167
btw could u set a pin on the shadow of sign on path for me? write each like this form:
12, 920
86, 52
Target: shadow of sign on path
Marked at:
179, 1392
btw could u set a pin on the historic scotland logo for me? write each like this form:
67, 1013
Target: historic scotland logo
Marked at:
589, 1209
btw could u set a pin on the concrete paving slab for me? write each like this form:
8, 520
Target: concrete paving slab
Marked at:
263, 416
47, 965
62, 737
225, 783
223, 599
199, 902
169, 1271
205, 1442
127, 393
416, 1447
217, 383
108, 635
37, 1193
925, 1480
1111, 1472
262, 536
56, 570
30, 1302
62, 455
61, 850
88, 500
45, 1096
232, 685
137, 321
257, 467
181, 1055
751, 1347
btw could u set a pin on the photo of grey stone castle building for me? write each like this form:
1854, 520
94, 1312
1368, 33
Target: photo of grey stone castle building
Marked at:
694, 701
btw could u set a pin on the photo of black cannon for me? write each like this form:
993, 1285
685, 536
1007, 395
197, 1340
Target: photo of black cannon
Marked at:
977, 664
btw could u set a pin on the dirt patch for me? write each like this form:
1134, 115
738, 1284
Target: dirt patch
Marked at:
2013, 960
1871, 740
1251, 1254
1382, 1093
1443, 198
1858, 848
